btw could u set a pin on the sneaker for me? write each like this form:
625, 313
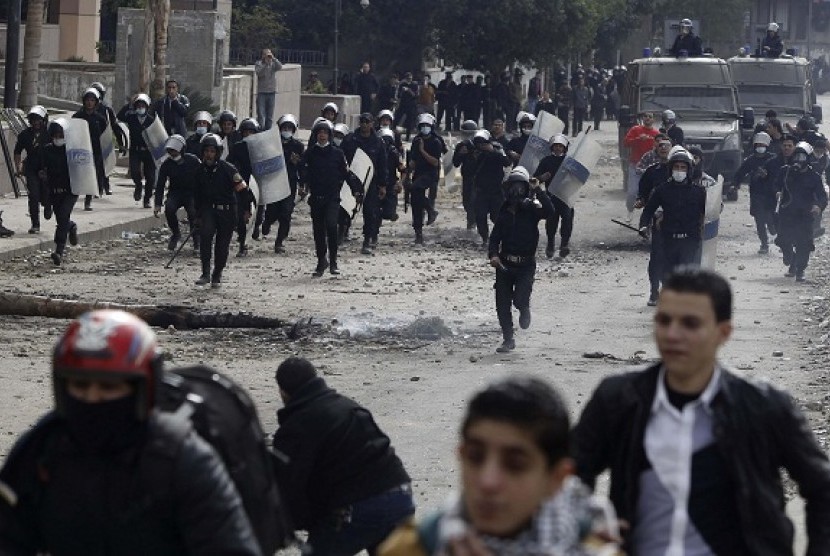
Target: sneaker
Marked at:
34, 230
506, 346
278, 248
471, 225
564, 251
147, 204
524, 318
652, 300
56, 258
373, 242
255, 233
173, 242
333, 269
137, 194
549, 250
73, 234
431, 216
243, 252
790, 272
203, 279
216, 280
321, 268
366, 249
108, 191
88, 208
799, 276
763, 250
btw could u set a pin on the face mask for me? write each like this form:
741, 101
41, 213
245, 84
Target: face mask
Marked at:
322, 145
337, 142
526, 131
59, 142
201, 130
141, 111
678, 175
760, 150
105, 427
384, 127
425, 130
286, 134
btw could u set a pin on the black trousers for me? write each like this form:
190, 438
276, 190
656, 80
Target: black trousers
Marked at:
142, 164
513, 287
762, 209
596, 114
371, 213
38, 194
795, 238
243, 214
562, 114
389, 205
216, 224
419, 204
678, 252
280, 212
409, 114
468, 197
562, 214
324, 215
447, 111
99, 175
62, 205
486, 204
175, 201
579, 117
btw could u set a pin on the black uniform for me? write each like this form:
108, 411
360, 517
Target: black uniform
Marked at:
562, 212
193, 145
447, 97
61, 198
181, 193
246, 202
323, 171
489, 174
772, 46
800, 192
464, 157
33, 142
469, 101
514, 240
97, 126
654, 176
281, 211
690, 42
684, 209
376, 149
676, 134
407, 106
141, 159
120, 139
517, 145
389, 204
216, 208
762, 199
167, 494
424, 177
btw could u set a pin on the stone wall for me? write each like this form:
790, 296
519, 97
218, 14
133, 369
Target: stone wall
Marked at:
49, 41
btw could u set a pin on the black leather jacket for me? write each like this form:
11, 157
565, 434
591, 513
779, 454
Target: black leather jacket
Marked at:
170, 495
758, 430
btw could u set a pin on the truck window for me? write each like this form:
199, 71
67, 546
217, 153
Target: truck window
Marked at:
688, 99
788, 100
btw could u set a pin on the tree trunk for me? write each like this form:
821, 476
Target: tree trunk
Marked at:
161, 19
144, 65
31, 53
161, 315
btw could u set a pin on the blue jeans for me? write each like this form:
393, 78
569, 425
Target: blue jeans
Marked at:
363, 525
265, 104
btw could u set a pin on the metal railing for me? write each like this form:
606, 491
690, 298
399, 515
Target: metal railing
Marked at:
247, 57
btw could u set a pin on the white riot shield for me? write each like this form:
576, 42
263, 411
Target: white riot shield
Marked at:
711, 222
82, 177
363, 168
156, 136
253, 185
575, 170
538, 144
126, 131
108, 150
268, 166
450, 171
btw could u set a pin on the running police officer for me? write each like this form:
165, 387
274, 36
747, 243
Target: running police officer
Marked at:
246, 202
762, 198
97, 127
394, 167
464, 158
107, 112
546, 171
201, 125
281, 211
181, 169
141, 159
490, 162
802, 197
217, 185
516, 146
323, 170
55, 173
512, 250
424, 162
32, 140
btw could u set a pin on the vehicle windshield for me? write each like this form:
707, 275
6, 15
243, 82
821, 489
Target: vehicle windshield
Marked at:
716, 100
785, 99
762, 73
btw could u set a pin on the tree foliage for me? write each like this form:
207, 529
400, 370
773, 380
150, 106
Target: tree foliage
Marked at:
257, 27
721, 22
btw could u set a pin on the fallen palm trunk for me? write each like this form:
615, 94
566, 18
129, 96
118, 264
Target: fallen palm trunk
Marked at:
155, 315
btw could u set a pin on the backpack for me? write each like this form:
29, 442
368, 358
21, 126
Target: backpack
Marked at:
223, 414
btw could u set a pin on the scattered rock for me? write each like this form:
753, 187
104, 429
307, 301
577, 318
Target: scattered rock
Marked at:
778, 353
473, 358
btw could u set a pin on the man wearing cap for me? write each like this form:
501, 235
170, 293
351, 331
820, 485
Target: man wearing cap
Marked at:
341, 479
447, 97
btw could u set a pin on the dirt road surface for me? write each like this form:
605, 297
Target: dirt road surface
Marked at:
410, 332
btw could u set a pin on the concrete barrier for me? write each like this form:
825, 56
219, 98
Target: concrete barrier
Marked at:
236, 94
68, 80
311, 105
289, 85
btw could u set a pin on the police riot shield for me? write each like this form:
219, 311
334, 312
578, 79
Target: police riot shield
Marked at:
126, 131
82, 177
268, 166
450, 171
108, 150
575, 170
155, 137
538, 144
363, 168
253, 185
711, 222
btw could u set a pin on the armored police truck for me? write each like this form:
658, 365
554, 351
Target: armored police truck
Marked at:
701, 93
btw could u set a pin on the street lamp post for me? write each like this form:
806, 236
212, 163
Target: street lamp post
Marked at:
338, 8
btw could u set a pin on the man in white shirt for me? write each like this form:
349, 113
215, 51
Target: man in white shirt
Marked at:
694, 450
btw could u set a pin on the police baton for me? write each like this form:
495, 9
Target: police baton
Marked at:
179, 250
363, 189
630, 227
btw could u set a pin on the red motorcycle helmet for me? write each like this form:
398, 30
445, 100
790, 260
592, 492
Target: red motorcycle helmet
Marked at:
108, 345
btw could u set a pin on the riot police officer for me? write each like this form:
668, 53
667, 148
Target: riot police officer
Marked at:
55, 173
670, 128
545, 172
246, 202
281, 211
217, 185
141, 159
802, 197
97, 126
180, 168
772, 46
516, 146
201, 125
107, 112
394, 169
512, 250
227, 131
32, 140
464, 157
490, 162
323, 170
687, 43
762, 198
424, 162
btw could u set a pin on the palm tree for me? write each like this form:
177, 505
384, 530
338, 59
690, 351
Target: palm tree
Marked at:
31, 53
156, 20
